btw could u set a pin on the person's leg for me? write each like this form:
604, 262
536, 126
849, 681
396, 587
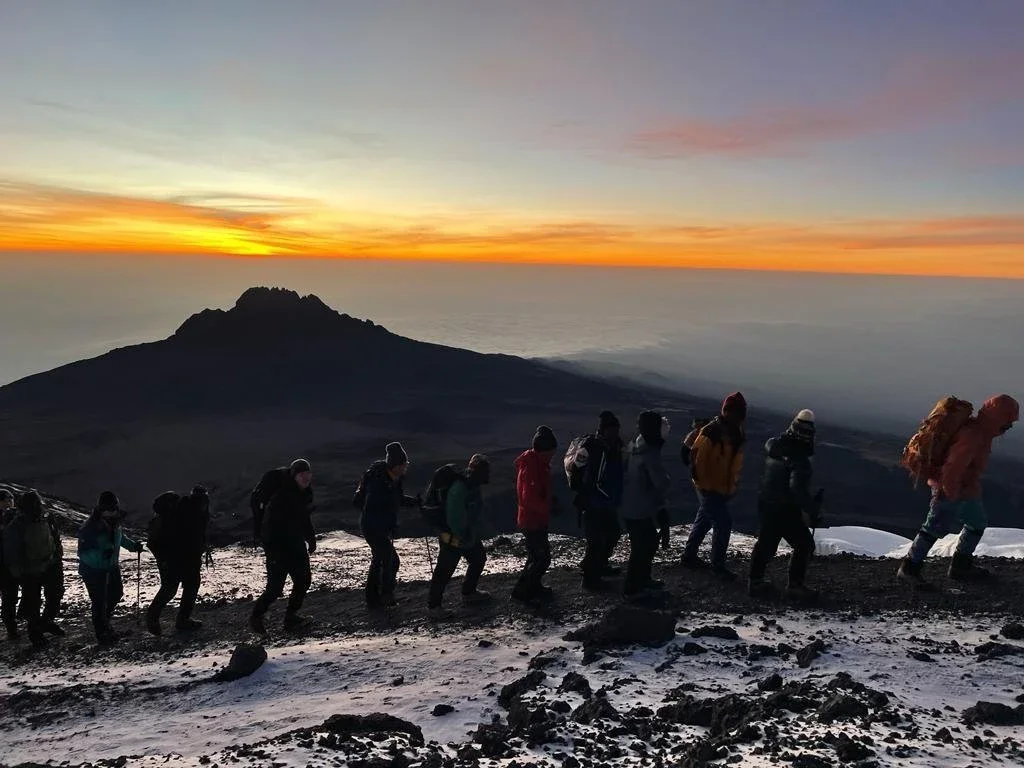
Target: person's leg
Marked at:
595, 557
32, 599
524, 587
972, 514
53, 593
301, 573
643, 544
375, 576
722, 524
96, 587
392, 563
191, 579
476, 558
170, 580
701, 525
612, 536
447, 561
9, 603
115, 591
277, 574
768, 537
940, 513
800, 538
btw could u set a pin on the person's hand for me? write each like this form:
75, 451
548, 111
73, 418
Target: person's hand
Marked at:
312, 546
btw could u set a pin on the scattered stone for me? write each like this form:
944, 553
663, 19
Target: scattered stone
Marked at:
245, 659
595, 708
943, 735
1013, 631
442, 709
850, 751
840, 707
920, 656
574, 682
810, 761
627, 625
994, 650
485, 644
723, 633
993, 713
397, 681
771, 683
693, 649
517, 688
376, 722
545, 659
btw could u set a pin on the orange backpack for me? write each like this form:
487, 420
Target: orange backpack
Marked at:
926, 452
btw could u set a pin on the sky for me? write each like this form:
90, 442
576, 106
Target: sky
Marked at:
820, 135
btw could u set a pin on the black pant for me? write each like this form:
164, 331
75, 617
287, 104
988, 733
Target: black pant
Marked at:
643, 543
538, 560
186, 574
105, 590
778, 523
53, 592
8, 600
281, 566
448, 558
32, 602
602, 532
384, 565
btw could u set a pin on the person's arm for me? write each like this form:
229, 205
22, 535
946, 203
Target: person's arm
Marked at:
800, 485
130, 544
965, 448
307, 521
700, 457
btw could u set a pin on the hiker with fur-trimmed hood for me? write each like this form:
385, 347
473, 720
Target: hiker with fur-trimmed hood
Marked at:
956, 493
786, 508
99, 543
464, 515
644, 502
535, 502
715, 463
380, 496
288, 541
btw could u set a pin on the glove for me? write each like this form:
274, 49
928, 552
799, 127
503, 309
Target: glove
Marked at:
663, 528
312, 546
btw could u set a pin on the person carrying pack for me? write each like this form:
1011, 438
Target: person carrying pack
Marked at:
595, 470
270, 484
8, 584
99, 543
464, 509
28, 556
177, 537
288, 540
535, 503
786, 508
951, 452
379, 498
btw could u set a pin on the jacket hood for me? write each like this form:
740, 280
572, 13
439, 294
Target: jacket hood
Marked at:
643, 445
998, 412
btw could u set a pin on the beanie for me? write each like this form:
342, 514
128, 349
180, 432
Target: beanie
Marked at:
30, 502
107, 502
480, 467
648, 424
607, 420
395, 455
299, 466
802, 426
735, 403
544, 439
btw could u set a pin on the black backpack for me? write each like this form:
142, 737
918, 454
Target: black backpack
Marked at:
359, 497
161, 527
575, 462
266, 489
437, 494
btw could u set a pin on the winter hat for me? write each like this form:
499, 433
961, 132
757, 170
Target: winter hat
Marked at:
607, 420
802, 427
299, 466
480, 467
735, 403
395, 455
30, 503
648, 424
544, 439
107, 502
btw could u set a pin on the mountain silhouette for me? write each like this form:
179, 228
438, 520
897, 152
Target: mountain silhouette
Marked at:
232, 393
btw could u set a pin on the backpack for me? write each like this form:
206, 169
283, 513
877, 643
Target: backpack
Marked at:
434, 500
927, 450
28, 544
266, 489
161, 527
575, 461
359, 497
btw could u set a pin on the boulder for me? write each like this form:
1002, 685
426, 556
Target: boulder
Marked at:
809, 653
376, 722
993, 713
1013, 631
574, 682
518, 687
841, 707
245, 659
627, 625
722, 633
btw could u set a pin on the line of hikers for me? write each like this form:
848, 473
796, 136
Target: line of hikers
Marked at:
610, 479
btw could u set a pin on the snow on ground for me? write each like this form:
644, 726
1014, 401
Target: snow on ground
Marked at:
406, 675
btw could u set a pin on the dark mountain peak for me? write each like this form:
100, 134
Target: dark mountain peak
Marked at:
264, 314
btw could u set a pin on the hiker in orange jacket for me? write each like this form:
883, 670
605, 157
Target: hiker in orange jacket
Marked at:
956, 493
715, 463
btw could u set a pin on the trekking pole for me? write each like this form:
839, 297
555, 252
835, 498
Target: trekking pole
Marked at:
430, 556
138, 587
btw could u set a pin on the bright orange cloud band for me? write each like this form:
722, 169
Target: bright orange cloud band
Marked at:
54, 219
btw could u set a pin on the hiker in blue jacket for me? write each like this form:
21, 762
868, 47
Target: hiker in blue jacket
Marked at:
99, 543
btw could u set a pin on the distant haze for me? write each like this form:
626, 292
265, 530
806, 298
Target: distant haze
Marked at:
866, 351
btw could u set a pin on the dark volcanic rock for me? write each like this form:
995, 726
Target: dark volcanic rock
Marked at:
595, 708
245, 659
771, 683
576, 683
493, 740
850, 751
442, 709
693, 649
1013, 631
840, 707
376, 722
517, 688
995, 650
723, 633
809, 653
993, 713
627, 625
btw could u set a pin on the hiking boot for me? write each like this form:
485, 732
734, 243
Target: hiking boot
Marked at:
962, 568
388, 601
439, 613
476, 597
910, 572
37, 638
723, 573
188, 625
695, 564
545, 594
762, 589
295, 620
256, 624
595, 586
107, 638
153, 624
800, 592
51, 627
522, 596
611, 571
13, 635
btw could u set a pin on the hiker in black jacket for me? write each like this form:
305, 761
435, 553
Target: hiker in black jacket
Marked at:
179, 555
786, 507
599, 501
380, 496
288, 541
28, 556
8, 584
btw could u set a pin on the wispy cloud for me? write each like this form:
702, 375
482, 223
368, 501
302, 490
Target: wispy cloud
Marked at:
919, 92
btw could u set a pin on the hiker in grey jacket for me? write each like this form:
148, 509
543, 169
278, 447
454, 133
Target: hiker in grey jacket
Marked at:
644, 501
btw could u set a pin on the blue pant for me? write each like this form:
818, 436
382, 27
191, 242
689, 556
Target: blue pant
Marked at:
942, 512
712, 513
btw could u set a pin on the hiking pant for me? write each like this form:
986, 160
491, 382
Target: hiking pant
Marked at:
448, 558
32, 601
186, 574
384, 565
281, 566
778, 523
105, 590
602, 531
538, 560
712, 513
643, 543
53, 592
942, 514
8, 600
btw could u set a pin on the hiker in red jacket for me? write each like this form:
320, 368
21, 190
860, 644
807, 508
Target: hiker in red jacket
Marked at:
533, 491
956, 493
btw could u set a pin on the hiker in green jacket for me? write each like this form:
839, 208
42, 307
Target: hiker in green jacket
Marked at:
28, 557
463, 511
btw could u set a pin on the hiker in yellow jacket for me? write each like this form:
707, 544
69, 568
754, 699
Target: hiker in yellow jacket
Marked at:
715, 463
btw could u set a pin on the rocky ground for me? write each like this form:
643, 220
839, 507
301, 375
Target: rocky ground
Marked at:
869, 674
